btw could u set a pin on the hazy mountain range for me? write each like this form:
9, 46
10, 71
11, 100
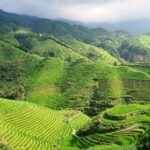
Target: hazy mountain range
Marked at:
141, 26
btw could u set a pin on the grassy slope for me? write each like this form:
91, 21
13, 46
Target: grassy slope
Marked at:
42, 76
46, 77
89, 51
66, 48
27, 61
36, 127
46, 87
113, 81
16, 68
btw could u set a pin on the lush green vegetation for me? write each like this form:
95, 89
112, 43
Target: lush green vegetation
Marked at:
65, 72
53, 73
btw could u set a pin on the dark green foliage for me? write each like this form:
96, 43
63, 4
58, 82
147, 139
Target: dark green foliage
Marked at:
12, 80
26, 42
144, 143
4, 147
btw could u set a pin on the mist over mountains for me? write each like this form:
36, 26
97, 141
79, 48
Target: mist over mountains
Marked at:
135, 27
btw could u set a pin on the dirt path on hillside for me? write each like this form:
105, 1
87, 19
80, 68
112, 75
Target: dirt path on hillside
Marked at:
74, 117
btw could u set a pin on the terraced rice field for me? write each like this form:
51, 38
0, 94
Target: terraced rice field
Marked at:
25, 126
117, 128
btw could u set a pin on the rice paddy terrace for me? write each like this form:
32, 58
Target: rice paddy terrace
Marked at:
117, 128
25, 126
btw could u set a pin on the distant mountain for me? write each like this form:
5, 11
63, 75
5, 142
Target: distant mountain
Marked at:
135, 27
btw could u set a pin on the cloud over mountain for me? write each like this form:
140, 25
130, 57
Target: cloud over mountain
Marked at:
81, 10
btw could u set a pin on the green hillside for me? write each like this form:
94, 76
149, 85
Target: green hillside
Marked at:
81, 76
65, 86
120, 44
39, 72
15, 68
64, 47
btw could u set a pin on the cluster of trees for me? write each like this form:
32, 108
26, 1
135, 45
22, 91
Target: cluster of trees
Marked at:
144, 143
11, 80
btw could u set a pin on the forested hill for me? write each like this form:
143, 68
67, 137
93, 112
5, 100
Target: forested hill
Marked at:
120, 44
40, 25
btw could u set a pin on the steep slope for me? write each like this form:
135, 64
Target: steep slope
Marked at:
62, 71
112, 41
23, 73
15, 67
66, 48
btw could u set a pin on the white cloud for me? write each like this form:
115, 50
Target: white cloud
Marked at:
81, 10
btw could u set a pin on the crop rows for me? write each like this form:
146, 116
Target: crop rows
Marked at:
28, 126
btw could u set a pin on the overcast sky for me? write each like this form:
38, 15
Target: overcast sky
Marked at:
81, 10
